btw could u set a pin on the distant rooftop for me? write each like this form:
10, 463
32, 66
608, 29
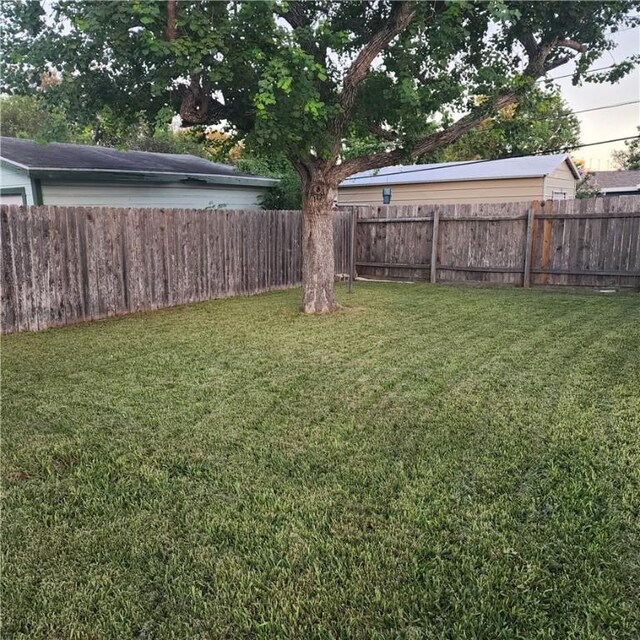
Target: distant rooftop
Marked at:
617, 180
527, 167
58, 157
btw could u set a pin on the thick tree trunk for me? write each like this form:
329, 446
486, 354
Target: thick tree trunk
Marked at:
317, 245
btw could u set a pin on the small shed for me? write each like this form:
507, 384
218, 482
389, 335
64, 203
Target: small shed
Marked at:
475, 181
83, 175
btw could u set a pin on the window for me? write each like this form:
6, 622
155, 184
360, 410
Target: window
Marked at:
559, 195
13, 195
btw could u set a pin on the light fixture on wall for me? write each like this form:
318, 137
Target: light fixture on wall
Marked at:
386, 195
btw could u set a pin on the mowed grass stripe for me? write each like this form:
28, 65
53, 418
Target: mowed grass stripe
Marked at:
431, 462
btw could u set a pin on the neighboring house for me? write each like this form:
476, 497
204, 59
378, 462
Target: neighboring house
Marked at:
509, 180
71, 174
617, 183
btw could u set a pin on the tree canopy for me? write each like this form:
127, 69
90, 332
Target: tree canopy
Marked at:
307, 79
298, 76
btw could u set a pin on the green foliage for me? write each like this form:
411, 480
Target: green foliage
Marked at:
587, 188
431, 462
287, 194
540, 123
629, 158
140, 135
279, 68
29, 116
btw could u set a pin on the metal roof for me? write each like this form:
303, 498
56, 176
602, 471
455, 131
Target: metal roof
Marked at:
73, 159
526, 167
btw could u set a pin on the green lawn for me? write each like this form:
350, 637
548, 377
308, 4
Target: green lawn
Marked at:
430, 462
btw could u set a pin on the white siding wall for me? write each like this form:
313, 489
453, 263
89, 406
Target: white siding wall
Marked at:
12, 179
560, 184
152, 195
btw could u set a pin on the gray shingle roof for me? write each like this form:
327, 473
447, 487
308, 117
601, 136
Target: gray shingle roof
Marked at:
56, 156
527, 167
617, 179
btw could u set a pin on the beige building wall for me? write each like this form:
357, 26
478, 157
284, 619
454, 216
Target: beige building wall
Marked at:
468, 192
560, 184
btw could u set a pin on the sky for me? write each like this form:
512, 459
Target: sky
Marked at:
607, 123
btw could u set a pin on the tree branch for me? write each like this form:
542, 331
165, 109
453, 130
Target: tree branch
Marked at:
427, 145
295, 14
198, 105
399, 19
171, 30
401, 16
380, 132
550, 66
528, 41
569, 43
536, 68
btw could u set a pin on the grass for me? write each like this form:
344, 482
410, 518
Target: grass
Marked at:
431, 462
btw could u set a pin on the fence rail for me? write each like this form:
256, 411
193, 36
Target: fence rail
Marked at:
571, 242
62, 265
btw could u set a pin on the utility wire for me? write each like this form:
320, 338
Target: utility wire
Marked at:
470, 162
608, 106
570, 75
611, 66
613, 33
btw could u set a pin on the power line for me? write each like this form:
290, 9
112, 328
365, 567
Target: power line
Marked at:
611, 66
470, 162
609, 106
613, 33
570, 75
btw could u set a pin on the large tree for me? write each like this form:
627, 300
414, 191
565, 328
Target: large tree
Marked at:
305, 78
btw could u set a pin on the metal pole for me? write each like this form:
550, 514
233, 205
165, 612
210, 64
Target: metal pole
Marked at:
352, 249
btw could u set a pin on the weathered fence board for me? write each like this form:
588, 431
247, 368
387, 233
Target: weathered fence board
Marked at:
62, 265
569, 242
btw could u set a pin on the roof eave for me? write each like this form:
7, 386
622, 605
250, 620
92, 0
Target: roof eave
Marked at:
14, 165
115, 175
374, 181
631, 187
574, 169
431, 181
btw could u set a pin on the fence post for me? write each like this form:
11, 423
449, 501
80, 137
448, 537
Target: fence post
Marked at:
434, 246
528, 247
352, 248
547, 208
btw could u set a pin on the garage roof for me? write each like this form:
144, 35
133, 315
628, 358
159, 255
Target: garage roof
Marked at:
71, 159
526, 167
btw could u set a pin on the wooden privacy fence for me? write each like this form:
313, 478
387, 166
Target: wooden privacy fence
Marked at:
68, 264
62, 265
592, 242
